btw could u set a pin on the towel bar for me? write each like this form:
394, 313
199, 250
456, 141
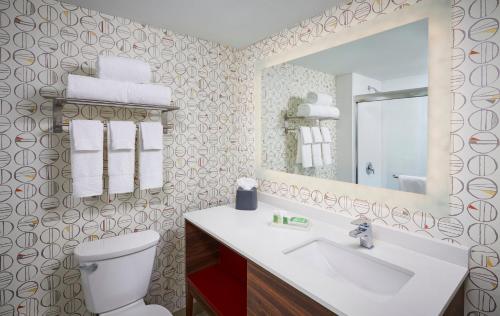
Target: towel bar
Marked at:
58, 104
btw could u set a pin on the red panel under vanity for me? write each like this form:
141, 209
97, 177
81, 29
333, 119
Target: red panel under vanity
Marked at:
221, 286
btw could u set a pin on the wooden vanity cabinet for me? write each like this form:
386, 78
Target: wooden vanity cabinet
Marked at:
268, 295
226, 283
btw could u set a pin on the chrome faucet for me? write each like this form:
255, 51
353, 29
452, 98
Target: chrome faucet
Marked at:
363, 231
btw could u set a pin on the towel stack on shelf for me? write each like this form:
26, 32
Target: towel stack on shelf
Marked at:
86, 137
318, 105
119, 79
313, 147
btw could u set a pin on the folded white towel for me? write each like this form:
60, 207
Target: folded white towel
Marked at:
122, 134
86, 165
317, 158
413, 184
316, 147
83, 87
304, 150
325, 134
151, 94
150, 160
121, 161
307, 110
326, 148
123, 69
319, 98
316, 134
326, 153
87, 135
151, 135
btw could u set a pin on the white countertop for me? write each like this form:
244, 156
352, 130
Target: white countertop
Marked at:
439, 267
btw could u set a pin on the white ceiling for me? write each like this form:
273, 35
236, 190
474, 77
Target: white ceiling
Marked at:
237, 23
392, 54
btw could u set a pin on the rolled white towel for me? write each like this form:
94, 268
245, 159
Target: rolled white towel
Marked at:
123, 69
83, 87
319, 98
413, 184
151, 94
307, 110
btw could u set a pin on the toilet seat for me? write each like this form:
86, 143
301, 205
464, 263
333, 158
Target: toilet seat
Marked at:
142, 310
149, 310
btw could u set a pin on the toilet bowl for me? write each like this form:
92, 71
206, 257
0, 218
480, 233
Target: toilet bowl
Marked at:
115, 274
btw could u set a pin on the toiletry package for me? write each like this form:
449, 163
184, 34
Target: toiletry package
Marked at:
281, 219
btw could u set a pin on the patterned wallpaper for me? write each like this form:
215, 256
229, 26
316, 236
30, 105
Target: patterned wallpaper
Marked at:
474, 156
41, 41
284, 88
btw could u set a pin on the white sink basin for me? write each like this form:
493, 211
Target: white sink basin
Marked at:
351, 265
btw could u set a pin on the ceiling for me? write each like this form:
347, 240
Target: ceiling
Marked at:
236, 23
392, 54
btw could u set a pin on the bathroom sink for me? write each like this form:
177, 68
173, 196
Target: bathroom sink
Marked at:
343, 263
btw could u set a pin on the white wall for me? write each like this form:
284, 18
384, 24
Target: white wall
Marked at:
370, 132
345, 128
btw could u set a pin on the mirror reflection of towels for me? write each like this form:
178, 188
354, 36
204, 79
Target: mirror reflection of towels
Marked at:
304, 141
413, 184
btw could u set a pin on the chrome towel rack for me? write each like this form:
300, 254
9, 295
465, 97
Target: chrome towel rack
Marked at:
59, 102
318, 119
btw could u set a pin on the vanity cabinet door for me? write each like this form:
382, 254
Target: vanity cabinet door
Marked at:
268, 295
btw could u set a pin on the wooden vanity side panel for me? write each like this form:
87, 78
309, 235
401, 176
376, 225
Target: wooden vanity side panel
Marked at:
457, 305
268, 295
201, 249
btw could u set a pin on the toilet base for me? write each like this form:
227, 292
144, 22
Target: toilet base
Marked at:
139, 308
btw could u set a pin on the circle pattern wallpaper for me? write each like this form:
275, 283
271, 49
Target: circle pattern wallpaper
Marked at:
209, 144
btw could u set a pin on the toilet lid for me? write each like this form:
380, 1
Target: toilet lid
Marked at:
149, 310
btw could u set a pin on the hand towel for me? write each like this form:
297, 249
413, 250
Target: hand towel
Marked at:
316, 147
304, 150
319, 98
87, 135
309, 110
149, 94
89, 88
413, 184
326, 149
121, 159
150, 160
122, 134
83, 87
86, 165
151, 135
123, 69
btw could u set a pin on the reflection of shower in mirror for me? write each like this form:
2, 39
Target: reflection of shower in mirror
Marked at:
371, 96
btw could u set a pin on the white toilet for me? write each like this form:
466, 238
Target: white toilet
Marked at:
116, 272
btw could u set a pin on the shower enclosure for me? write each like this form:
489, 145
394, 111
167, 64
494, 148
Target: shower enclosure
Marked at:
390, 136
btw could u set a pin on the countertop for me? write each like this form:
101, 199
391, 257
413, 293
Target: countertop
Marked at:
434, 283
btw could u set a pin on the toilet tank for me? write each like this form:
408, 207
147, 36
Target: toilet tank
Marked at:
116, 271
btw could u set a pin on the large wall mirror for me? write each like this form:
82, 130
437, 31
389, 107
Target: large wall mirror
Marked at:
365, 112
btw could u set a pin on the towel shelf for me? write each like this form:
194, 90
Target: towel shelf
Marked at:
296, 117
58, 104
313, 118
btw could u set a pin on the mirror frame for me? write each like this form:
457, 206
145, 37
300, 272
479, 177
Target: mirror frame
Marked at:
436, 199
